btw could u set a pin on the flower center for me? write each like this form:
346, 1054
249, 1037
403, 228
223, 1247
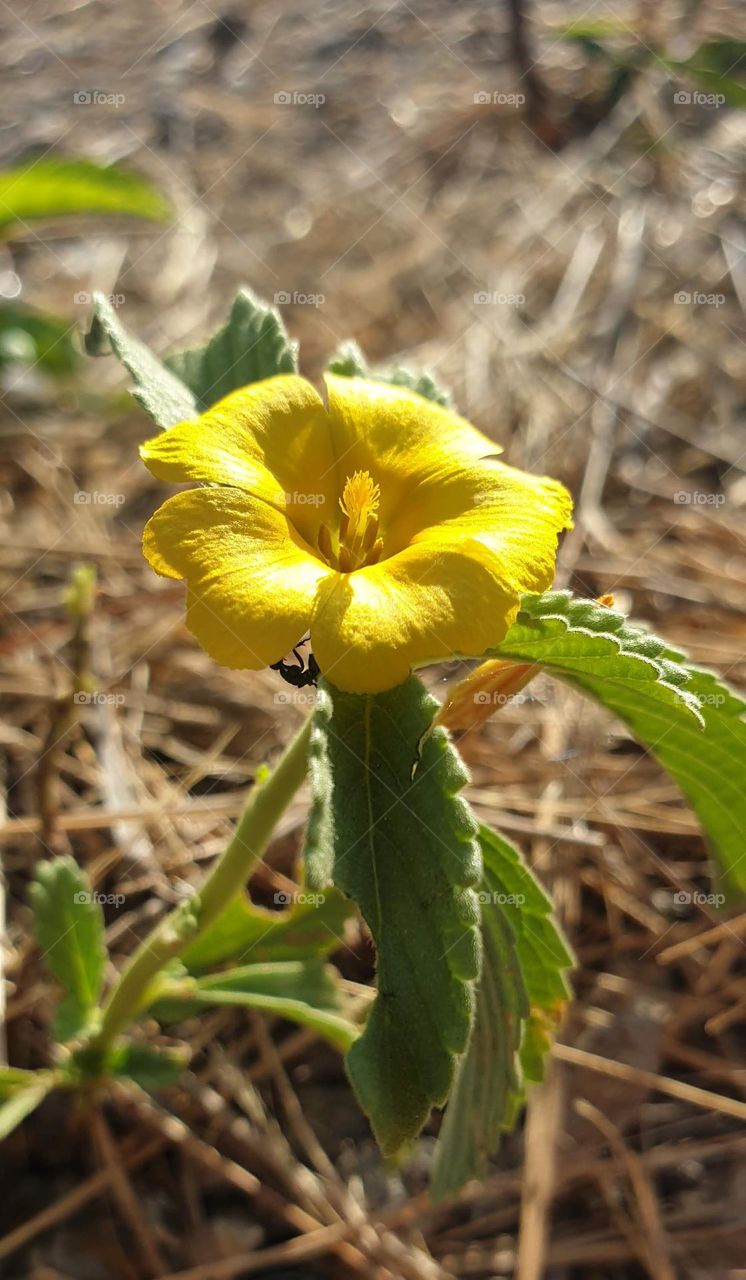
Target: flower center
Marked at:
357, 542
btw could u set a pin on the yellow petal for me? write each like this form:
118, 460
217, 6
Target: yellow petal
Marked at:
515, 515
424, 604
398, 437
270, 439
252, 579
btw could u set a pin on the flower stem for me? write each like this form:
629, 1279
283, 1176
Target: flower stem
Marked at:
182, 926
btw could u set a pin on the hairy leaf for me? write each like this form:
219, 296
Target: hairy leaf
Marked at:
70, 932
522, 992
306, 992
349, 362
390, 831
162, 395
691, 721
252, 345
310, 928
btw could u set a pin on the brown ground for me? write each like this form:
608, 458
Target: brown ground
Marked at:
398, 199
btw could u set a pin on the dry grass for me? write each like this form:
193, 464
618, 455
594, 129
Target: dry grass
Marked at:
399, 200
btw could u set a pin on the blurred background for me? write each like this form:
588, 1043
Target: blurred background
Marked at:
541, 205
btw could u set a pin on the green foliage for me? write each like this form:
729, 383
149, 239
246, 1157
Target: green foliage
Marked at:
687, 718
306, 992
349, 362
14, 1078
717, 67
20, 1102
308, 929
70, 932
252, 345
52, 188
389, 830
423, 383
159, 391
522, 991
34, 338
149, 1068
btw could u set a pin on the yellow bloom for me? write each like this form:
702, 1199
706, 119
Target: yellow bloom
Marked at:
382, 523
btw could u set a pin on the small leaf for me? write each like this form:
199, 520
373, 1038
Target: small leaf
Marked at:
717, 66
399, 841
70, 933
21, 1102
349, 362
691, 721
310, 928
305, 992
14, 1078
52, 188
423, 383
150, 1068
251, 346
521, 995
160, 393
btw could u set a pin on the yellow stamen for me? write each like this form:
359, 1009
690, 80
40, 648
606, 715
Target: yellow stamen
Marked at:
359, 543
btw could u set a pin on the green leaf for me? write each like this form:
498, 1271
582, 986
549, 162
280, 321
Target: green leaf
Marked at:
50, 188
251, 346
521, 994
349, 362
310, 928
150, 1068
543, 954
21, 1102
390, 831
160, 393
306, 992
14, 1078
34, 338
687, 718
423, 383
70, 932
718, 67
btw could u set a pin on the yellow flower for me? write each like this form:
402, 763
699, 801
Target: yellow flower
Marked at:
382, 524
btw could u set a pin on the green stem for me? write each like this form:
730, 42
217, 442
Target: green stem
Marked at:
182, 926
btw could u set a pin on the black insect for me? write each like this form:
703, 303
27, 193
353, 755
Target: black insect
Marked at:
302, 675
